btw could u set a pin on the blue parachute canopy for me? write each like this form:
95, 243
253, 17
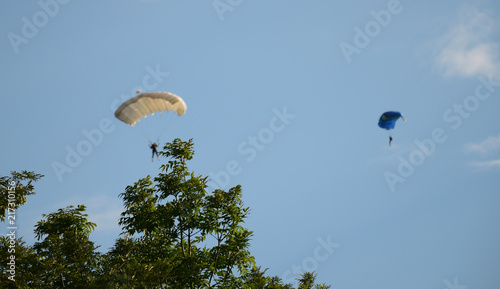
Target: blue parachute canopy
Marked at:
388, 119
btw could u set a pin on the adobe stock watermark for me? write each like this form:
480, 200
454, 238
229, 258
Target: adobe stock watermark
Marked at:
322, 252
454, 117
94, 137
363, 36
223, 6
12, 228
31, 26
251, 147
75, 155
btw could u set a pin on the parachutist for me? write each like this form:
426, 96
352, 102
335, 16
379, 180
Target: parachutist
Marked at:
153, 147
388, 121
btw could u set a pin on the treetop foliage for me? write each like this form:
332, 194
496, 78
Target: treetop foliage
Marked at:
175, 234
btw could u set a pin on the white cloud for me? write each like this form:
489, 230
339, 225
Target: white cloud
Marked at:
486, 146
486, 164
467, 49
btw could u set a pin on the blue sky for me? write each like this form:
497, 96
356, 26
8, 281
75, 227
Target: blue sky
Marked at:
283, 98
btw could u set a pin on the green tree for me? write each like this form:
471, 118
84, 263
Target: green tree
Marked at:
307, 281
175, 234
67, 258
178, 235
119, 265
14, 253
20, 266
14, 190
189, 238
257, 278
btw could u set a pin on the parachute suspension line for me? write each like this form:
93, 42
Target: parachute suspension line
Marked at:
389, 134
165, 123
143, 129
143, 133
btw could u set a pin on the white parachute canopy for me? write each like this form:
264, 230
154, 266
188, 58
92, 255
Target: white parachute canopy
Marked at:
132, 110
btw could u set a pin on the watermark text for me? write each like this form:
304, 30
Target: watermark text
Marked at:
12, 228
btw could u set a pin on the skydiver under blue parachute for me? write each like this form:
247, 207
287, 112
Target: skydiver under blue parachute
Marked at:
388, 121
148, 103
